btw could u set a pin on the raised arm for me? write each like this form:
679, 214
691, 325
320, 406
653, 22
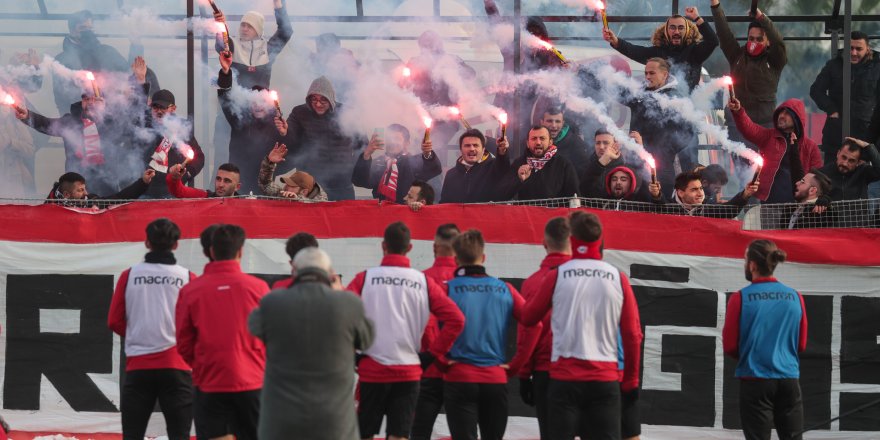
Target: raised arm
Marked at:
283, 33
729, 46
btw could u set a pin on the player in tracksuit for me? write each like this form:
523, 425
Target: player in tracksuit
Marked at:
213, 337
431, 386
764, 329
592, 302
142, 312
535, 374
399, 300
475, 390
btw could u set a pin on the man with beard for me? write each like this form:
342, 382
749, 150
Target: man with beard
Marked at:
316, 141
226, 184
857, 165
685, 42
622, 185
477, 174
165, 142
689, 196
765, 329
566, 138
812, 210
664, 133
70, 190
253, 125
827, 93
541, 173
786, 149
391, 177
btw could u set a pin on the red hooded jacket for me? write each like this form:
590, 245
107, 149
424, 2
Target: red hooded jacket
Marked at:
772, 143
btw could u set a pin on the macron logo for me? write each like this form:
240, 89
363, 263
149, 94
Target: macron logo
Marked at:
394, 281
223, 288
588, 273
174, 281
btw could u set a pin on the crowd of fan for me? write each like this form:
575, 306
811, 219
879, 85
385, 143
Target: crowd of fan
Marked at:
307, 156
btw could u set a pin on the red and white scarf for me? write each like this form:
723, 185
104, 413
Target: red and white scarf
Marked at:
159, 159
388, 183
537, 163
90, 152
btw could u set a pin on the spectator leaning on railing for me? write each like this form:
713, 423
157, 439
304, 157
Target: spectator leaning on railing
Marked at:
689, 197
293, 184
226, 184
812, 208
70, 190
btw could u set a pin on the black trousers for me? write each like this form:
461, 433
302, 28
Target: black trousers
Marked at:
469, 405
219, 414
590, 410
140, 391
540, 384
765, 404
427, 408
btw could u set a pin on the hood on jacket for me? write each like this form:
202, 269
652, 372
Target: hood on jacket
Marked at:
795, 107
632, 176
76, 109
323, 87
255, 20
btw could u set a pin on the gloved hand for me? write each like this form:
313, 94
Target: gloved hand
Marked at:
527, 392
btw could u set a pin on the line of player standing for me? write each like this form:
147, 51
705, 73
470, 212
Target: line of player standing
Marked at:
279, 365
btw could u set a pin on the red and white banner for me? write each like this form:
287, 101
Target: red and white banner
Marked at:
59, 364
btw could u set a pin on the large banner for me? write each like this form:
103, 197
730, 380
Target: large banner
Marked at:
60, 365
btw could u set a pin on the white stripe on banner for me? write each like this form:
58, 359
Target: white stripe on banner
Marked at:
700, 281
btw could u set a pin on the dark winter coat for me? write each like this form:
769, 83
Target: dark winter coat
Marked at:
827, 93
772, 144
149, 140
593, 176
94, 57
368, 173
131, 192
250, 139
806, 219
557, 179
573, 148
310, 332
478, 184
755, 79
115, 135
253, 74
728, 209
688, 59
664, 132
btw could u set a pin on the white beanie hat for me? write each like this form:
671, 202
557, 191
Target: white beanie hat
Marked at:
255, 19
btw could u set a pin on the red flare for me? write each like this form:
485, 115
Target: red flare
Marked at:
502, 118
455, 111
407, 72
9, 100
427, 121
90, 76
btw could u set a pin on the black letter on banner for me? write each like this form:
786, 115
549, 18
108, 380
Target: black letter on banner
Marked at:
815, 377
691, 356
65, 359
860, 360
